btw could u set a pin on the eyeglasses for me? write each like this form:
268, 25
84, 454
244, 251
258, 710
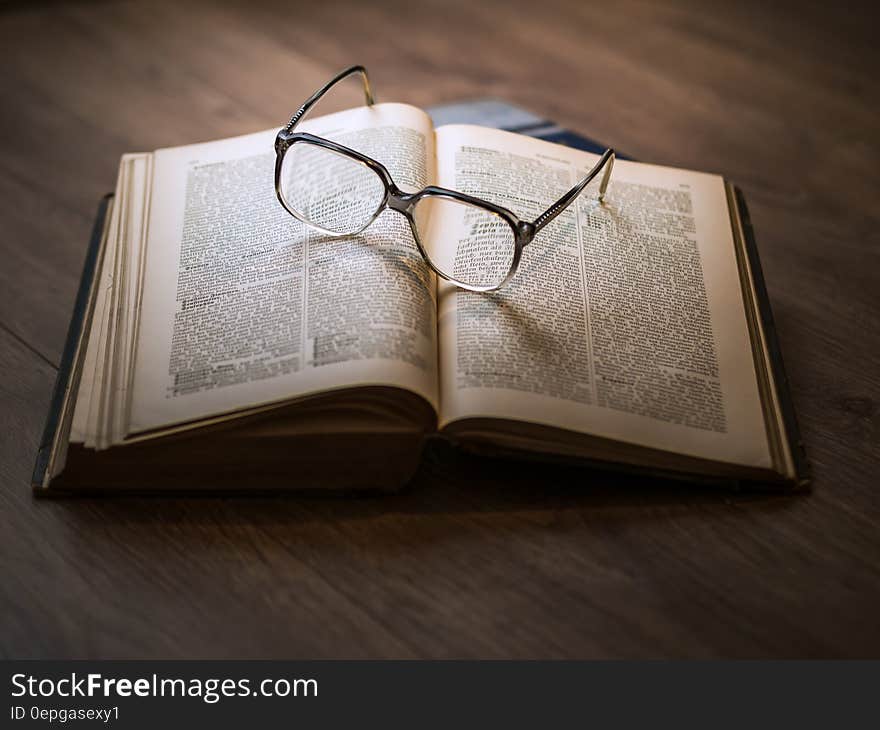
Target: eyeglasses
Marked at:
340, 192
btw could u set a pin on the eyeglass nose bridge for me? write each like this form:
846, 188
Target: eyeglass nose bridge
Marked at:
400, 201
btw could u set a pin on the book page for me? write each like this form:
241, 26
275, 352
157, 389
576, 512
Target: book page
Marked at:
625, 320
243, 305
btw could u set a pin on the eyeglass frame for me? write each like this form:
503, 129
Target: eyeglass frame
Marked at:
524, 231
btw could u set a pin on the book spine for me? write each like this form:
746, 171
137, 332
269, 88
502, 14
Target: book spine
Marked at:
75, 333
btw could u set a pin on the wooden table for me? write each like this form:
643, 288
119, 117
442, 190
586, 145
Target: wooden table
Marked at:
516, 562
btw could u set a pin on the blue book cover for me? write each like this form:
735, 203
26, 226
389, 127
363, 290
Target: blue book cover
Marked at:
501, 115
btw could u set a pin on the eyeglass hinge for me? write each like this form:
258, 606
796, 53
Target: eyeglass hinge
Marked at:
281, 143
526, 230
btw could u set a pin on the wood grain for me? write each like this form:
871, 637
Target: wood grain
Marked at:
512, 561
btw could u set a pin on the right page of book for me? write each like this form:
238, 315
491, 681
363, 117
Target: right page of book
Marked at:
625, 320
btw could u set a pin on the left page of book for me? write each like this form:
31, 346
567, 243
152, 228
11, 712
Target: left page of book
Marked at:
245, 306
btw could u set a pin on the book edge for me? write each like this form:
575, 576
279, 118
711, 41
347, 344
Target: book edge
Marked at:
75, 334
795, 443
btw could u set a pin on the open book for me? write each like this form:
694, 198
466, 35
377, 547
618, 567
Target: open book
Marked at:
223, 344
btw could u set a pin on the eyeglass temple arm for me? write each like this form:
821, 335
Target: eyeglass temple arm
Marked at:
606, 161
314, 98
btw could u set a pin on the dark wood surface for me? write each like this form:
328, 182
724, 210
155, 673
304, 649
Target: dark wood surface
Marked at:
517, 562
